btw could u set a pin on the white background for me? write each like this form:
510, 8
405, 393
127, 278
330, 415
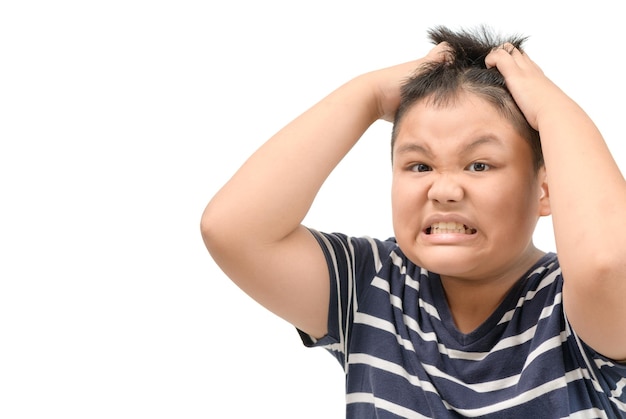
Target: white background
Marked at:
118, 122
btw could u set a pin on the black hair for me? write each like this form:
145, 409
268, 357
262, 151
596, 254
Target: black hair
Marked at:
464, 70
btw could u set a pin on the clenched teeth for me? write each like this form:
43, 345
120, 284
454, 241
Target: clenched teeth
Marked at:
449, 227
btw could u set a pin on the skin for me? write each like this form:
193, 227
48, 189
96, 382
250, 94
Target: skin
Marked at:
252, 226
587, 199
467, 163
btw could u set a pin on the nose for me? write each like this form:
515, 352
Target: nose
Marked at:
445, 188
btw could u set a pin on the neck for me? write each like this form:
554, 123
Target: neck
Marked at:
472, 301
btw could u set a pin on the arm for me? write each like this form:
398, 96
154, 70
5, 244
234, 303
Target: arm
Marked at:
252, 226
588, 203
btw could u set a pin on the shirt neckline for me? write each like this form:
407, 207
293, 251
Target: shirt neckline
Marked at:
510, 301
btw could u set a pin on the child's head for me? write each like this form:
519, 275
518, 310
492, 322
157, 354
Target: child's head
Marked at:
464, 70
468, 178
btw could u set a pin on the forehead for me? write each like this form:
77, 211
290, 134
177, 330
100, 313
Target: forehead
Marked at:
466, 119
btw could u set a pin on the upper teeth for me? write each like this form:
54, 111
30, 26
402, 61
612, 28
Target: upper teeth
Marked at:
449, 227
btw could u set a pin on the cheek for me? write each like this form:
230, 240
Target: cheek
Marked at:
407, 200
514, 205
402, 194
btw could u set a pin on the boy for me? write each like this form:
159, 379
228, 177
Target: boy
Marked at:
459, 315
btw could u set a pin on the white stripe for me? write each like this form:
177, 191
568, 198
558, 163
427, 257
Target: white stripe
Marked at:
398, 261
602, 362
410, 282
509, 342
547, 311
335, 347
351, 303
560, 382
385, 326
506, 343
412, 324
391, 328
484, 387
619, 387
620, 404
377, 262
546, 346
523, 397
393, 368
342, 340
583, 353
384, 405
430, 309
531, 294
380, 283
618, 391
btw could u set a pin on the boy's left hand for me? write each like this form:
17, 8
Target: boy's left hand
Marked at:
533, 92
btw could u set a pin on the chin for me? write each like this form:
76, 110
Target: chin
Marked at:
445, 260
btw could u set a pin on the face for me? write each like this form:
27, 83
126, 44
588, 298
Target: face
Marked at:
465, 196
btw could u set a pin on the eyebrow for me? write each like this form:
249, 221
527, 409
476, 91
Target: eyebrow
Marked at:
488, 139
414, 147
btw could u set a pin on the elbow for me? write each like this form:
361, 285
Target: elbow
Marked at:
206, 230
603, 273
609, 263
223, 232
212, 230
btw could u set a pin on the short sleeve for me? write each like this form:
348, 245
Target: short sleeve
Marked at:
352, 264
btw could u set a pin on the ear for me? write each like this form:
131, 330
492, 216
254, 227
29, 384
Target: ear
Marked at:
544, 193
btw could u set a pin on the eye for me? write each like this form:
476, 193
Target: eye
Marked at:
478, 167
420, 167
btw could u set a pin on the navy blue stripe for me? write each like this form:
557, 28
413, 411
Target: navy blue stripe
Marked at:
402, 358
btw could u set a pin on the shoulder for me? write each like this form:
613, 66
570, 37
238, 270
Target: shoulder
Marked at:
545, 273
338, 246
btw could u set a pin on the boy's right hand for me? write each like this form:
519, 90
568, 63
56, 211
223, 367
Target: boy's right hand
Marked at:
387, 82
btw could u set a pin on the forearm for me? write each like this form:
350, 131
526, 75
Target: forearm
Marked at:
271, 193
587, 196
587, 189
588, 202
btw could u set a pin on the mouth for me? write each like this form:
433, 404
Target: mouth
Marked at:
449, 227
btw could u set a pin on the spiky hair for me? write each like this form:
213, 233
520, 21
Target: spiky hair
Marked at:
464, 70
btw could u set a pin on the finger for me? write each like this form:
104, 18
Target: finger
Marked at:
510, 48
502, 55
440, 52
514, 52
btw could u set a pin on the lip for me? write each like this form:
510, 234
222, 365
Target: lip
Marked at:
447, 238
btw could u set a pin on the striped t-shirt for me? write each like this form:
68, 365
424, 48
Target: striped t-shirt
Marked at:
391, 330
